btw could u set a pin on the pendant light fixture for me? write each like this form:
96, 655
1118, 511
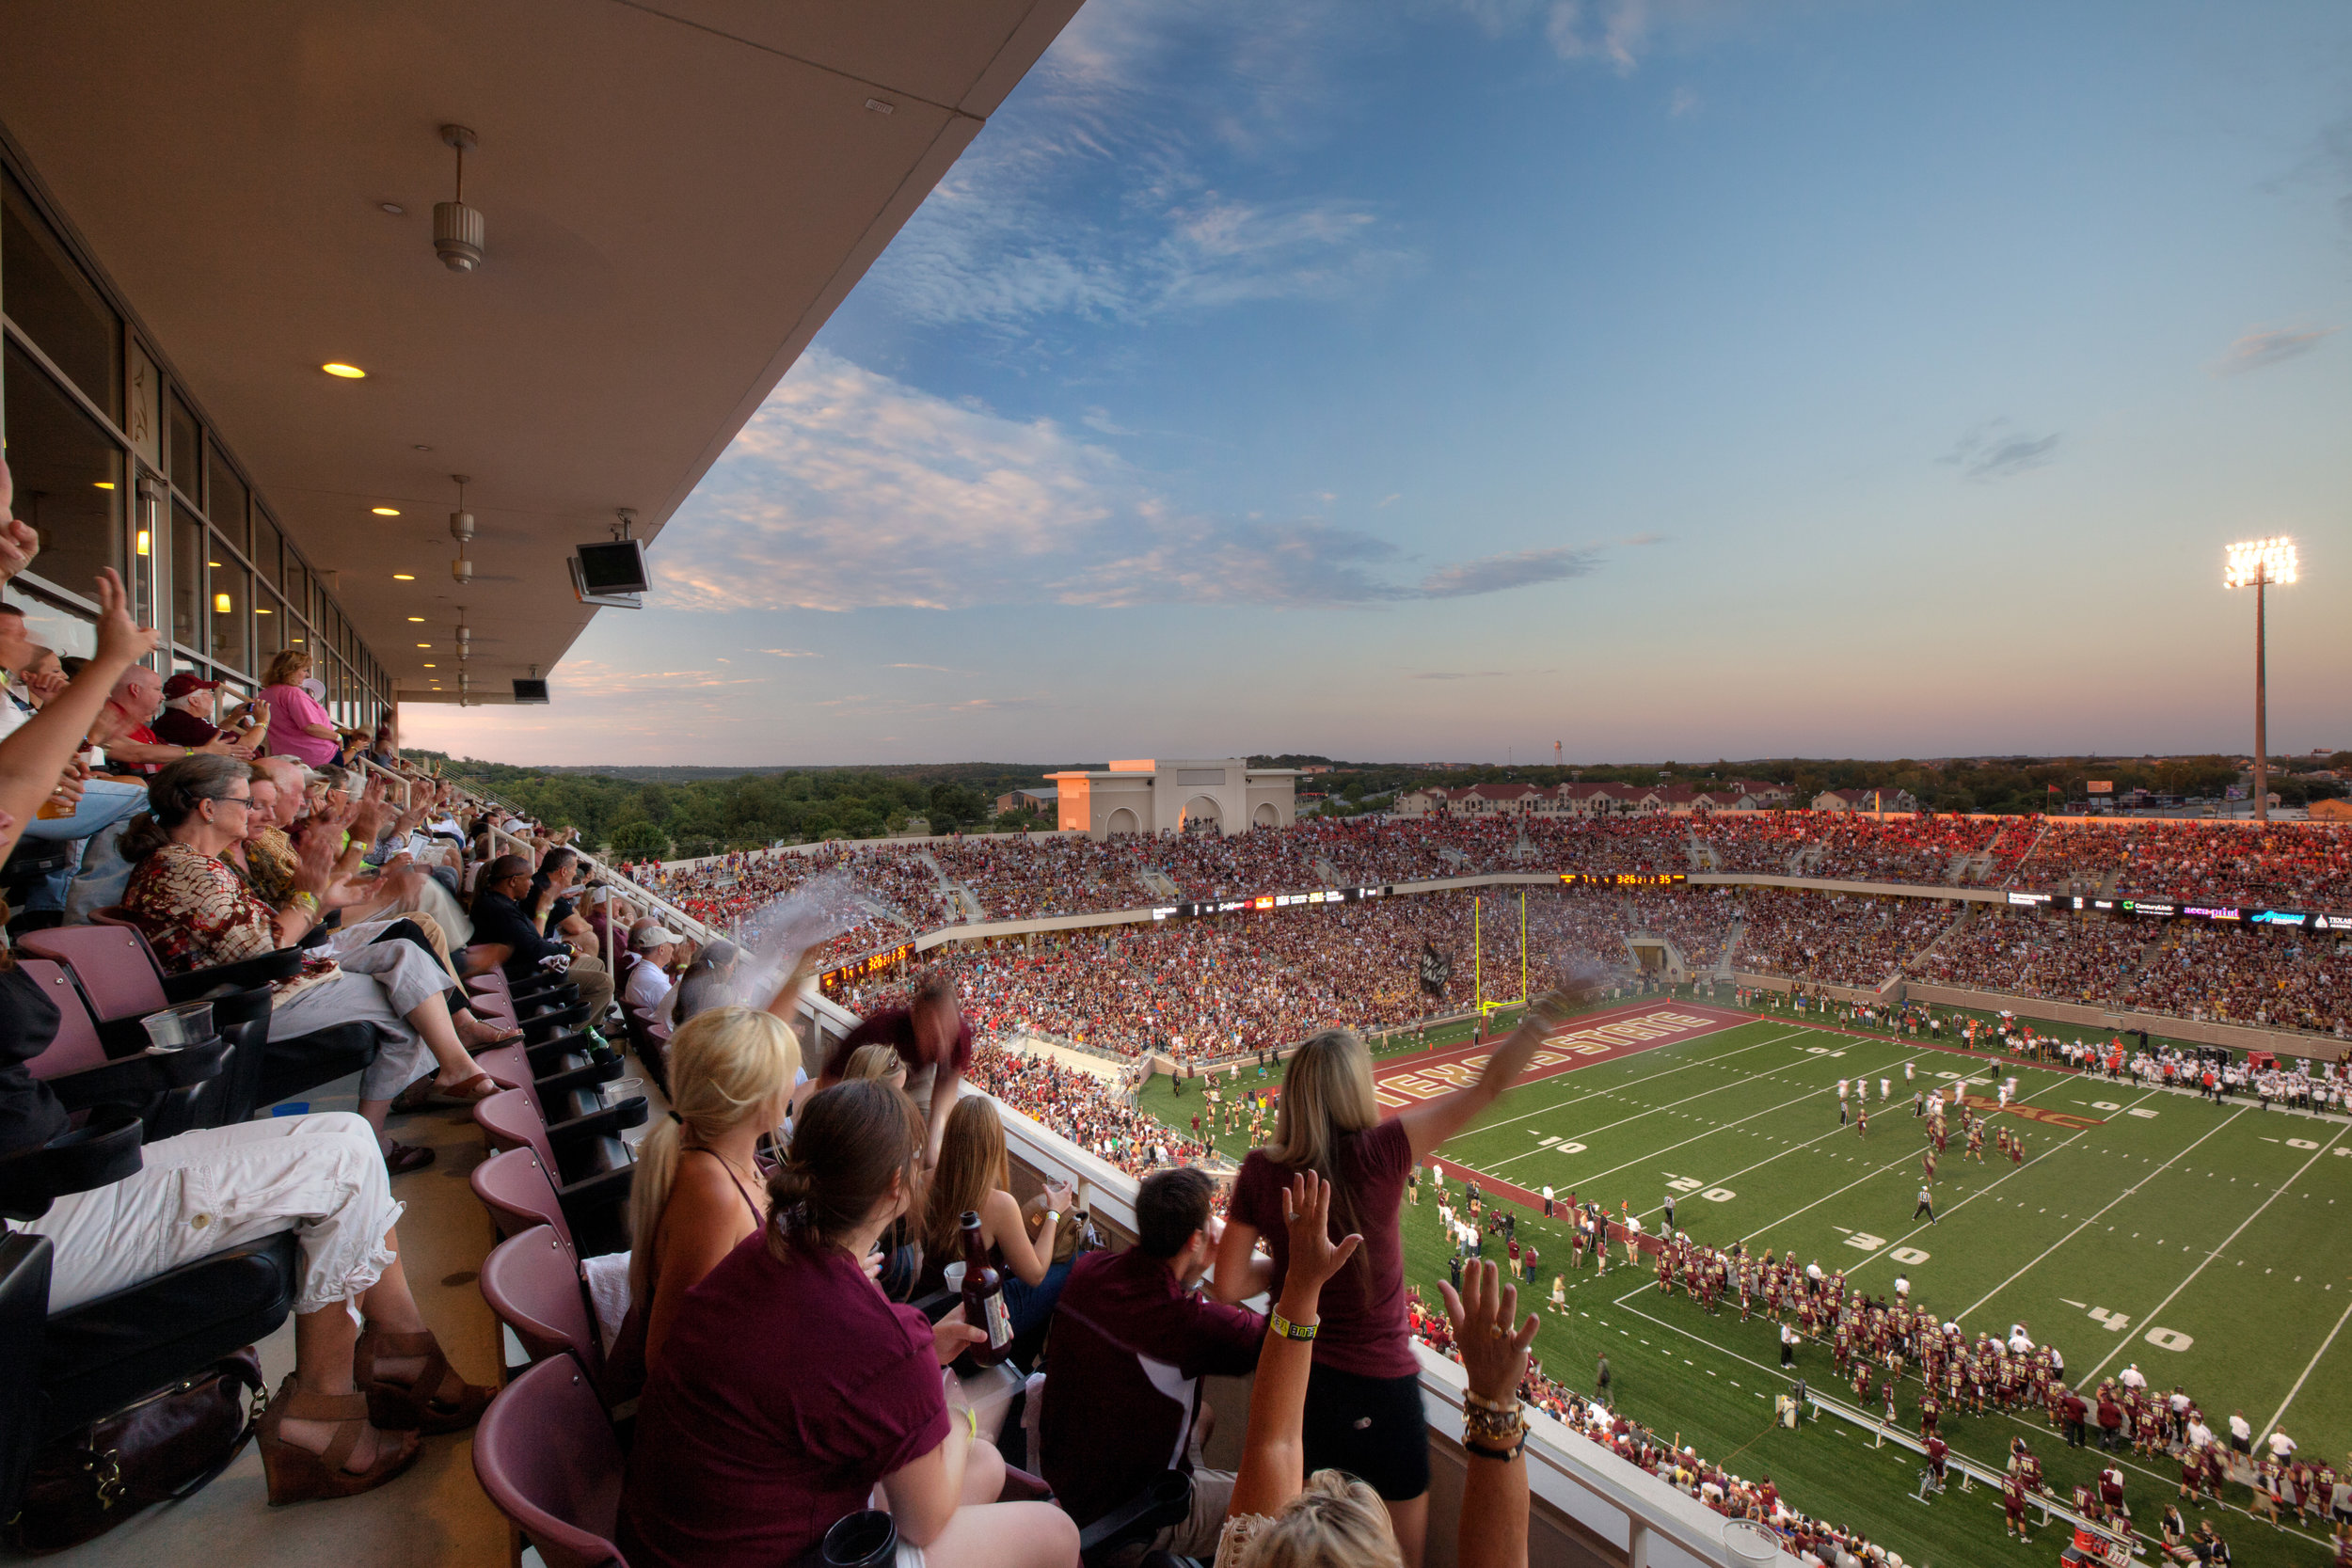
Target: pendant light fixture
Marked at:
461, 530
457, 229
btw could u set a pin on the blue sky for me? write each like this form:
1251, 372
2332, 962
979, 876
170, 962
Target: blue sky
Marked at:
1667, 378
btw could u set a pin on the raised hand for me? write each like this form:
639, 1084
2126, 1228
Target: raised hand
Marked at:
19, 544
315, 860
1493, 1353
121, 641
1307, 1215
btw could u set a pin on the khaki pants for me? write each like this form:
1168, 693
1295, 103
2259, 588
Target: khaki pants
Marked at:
595, 986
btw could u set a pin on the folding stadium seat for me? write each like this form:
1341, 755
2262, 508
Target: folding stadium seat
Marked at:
547, 1456
519, 1193
119, 971
170, 1092
532, 1283
593, 1174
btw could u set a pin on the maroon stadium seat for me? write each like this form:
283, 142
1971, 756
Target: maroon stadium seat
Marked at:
547, 1456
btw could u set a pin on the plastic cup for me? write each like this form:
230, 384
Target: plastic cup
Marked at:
176, 1028
1750, 1542
955, 1278
624, 1088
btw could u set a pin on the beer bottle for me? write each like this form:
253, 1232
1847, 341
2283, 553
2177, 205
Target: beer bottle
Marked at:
984, 1296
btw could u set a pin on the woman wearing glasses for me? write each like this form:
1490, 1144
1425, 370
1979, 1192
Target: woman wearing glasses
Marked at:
196, 912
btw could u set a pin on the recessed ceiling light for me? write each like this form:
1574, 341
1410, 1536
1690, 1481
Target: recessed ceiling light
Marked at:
105, 483
424, 644
416, 618
348, 372
403, 577
394, 208
385, 511
212, 564
433, 667
263, 610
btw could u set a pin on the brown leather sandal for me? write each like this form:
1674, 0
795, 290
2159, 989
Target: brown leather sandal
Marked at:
437, 1400
297, 1474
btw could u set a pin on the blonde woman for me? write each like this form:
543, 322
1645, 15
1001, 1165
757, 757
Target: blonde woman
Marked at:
971, 1177
1363, 1408
699, 1191
879, 1062
298, 727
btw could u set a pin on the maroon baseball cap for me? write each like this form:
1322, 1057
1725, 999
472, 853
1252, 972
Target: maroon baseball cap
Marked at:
187, 681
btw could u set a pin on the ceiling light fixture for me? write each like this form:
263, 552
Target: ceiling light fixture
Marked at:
263, 610
416, 618
385, 511
457, 230
403, 577
394, 208
348, 372
424, 644
461, 530
221, 605
103, 483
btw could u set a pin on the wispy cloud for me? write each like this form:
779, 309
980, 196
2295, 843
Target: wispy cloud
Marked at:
1997, 450
1129, 179
1619, 34
850, 491
792, 652
2260, 350
1518, 569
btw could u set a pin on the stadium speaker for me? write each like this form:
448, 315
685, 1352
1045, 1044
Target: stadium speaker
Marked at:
531, 692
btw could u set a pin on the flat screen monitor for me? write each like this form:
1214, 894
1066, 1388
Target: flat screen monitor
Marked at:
617, 567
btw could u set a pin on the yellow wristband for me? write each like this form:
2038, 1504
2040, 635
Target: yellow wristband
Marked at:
305, 900
972, 1418
1286, 1329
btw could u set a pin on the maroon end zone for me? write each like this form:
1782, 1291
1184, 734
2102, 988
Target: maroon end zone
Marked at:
1596, 1038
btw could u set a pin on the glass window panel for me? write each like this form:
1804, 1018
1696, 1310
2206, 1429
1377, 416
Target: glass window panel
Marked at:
187, 450
297, 586
46, 294
187, 578
69, 477
225, 500
266, 545
142, 420
269, 629
231, 594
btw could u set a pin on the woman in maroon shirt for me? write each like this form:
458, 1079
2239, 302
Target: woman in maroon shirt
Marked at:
1364, 1396
789, 1387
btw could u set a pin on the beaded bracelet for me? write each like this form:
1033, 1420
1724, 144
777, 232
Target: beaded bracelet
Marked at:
1505, 1456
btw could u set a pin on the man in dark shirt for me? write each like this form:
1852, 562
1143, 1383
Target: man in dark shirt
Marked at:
1132, 1338
931, 1037
505, 936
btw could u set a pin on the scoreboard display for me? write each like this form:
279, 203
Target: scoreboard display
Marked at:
880, 962
1623, 879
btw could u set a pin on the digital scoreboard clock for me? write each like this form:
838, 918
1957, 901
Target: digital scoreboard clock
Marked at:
1623, 879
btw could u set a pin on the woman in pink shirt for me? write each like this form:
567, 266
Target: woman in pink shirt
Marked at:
298, 727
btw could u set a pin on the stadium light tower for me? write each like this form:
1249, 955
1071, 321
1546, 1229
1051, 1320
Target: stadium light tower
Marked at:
2261, 564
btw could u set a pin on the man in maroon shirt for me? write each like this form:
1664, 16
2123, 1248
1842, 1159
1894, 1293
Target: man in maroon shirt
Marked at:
1132, 1339
931, 1037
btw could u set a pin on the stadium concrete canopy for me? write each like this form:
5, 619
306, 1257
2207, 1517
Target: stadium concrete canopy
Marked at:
676, 194
1187, 795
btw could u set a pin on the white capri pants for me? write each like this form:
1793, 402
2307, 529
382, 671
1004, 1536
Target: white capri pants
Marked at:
319, 1176
379, 985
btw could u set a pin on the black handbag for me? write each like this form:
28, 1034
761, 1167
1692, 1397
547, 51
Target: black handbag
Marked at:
168, 1446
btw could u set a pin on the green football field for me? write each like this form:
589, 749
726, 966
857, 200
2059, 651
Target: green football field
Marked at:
2207, 1244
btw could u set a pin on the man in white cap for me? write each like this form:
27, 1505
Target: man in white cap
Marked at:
656, 946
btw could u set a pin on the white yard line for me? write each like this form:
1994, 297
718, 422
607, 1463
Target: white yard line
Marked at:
2149, 1315
1668, 1149
1631, 1083
1674, 1104
2085, 1381
2016, 1171
2271, 1424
